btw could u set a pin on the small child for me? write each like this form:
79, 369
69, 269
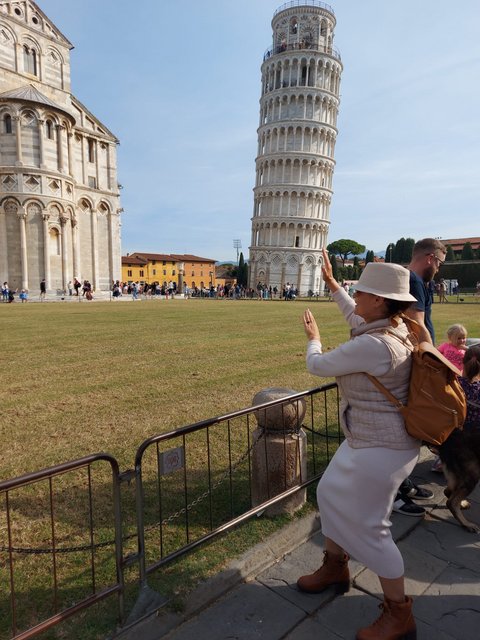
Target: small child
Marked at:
23, 295
455, 348
454, 351
470, 382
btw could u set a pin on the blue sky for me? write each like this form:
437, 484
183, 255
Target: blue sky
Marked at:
408, 149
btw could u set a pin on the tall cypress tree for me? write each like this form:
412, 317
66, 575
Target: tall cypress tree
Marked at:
450, 257
333, 260
467, 252
408, 250
389, 252
398, 251
242, 271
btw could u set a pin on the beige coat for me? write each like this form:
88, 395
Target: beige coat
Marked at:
367, 418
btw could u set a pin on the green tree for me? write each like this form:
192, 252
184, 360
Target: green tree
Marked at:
408, 250
370, 257
467, 252
344, 248
398, 251
242, 271
389, 252
450, 257
333, 260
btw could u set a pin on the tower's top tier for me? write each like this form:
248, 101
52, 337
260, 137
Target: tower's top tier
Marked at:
304, 3
303, 24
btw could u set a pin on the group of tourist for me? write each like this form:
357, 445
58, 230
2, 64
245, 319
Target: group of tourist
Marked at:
8, 294
368, 476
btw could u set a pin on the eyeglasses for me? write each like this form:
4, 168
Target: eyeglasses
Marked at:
440, 262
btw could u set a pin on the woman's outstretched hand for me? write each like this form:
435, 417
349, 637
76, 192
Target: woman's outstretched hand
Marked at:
310, 326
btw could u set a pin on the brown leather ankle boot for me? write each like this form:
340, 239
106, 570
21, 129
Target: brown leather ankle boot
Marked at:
334, 571
395, 623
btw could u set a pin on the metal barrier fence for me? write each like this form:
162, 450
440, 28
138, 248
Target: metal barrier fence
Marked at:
59, 505
191, 485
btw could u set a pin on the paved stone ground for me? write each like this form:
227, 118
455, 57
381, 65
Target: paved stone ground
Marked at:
257, 597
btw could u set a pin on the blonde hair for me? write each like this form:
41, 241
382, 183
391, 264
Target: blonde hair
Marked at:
455, 330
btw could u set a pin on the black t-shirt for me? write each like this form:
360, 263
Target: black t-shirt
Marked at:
419, 290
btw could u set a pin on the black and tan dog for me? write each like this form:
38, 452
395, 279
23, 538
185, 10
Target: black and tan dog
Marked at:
460, 455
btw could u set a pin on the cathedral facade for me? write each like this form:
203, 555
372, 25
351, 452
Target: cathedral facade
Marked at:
59, 193
295, 162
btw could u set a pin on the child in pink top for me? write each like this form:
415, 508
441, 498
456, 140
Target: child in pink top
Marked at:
455, 348
454, 351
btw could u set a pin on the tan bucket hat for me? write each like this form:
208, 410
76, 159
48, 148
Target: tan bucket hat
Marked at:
387, 280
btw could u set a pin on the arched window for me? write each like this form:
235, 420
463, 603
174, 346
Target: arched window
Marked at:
49, 129
293, 25
7, 123
54, 241
30, 60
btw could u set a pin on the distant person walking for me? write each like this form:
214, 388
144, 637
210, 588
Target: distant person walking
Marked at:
442, 291
43, 289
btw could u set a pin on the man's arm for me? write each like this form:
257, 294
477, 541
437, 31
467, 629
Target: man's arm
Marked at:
419, 316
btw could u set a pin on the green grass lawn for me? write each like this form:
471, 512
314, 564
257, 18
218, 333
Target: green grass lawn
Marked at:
104, 376
81, 378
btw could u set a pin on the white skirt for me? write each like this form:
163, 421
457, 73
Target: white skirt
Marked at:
355, 497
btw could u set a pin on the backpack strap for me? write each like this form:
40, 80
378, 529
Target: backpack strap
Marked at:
395, 401
410, 345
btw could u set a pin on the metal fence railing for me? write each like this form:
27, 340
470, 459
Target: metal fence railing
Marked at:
65, 532
200, 476
49, 516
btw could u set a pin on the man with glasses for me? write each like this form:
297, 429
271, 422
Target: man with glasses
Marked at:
427, 257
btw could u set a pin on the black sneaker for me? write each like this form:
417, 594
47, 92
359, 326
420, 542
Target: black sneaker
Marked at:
413, 491
407, 507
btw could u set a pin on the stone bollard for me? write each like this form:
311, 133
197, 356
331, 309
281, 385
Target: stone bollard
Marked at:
279, 459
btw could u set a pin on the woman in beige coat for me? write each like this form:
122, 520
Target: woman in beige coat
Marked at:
356, 493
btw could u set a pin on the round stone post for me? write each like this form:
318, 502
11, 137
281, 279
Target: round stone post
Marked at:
279, 457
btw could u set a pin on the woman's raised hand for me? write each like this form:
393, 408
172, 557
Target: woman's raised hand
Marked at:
310, 326
327, 272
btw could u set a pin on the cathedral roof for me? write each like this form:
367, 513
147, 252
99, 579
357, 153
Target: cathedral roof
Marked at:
51, 31
29, 93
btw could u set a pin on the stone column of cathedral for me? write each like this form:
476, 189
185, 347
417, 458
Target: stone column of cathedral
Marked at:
40, 124
69, 151
18, 139
95, 281
46, 254
3, 246
22, 216
75, 250
65, 262
296, 143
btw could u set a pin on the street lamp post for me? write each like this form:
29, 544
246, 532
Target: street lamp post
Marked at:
237, 244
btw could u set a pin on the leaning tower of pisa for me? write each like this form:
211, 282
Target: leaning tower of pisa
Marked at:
296, 144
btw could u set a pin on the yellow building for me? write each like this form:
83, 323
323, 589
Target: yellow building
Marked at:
159, 267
